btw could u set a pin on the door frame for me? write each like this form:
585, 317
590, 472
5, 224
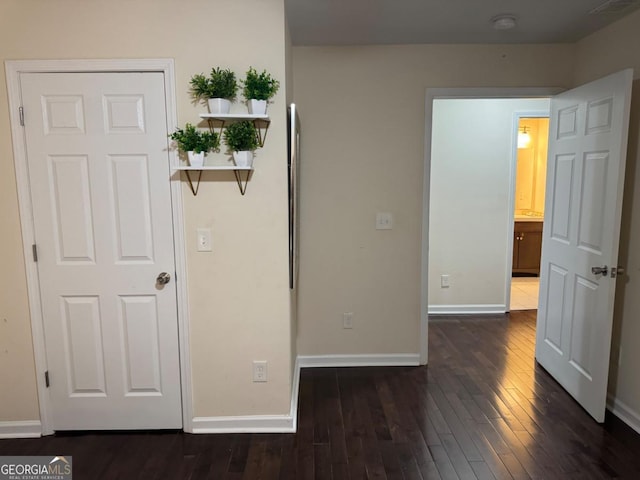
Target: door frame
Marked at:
512, 194
163, 65
452, 93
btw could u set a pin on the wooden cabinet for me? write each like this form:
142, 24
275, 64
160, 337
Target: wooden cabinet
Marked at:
527, 246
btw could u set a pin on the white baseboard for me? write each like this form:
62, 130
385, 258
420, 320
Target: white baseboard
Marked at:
25, 429
245, 424
466, 309
383, 360
295, 390
624, 412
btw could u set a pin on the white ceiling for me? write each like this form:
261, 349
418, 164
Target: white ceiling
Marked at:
371, 22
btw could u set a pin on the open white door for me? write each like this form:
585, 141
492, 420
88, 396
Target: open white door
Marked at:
585, 177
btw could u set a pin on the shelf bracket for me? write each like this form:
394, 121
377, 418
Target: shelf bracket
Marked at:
242, 188
217, 125
262, 127
212, 125
194, 183
194, 189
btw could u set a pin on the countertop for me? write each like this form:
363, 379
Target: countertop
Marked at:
526, 218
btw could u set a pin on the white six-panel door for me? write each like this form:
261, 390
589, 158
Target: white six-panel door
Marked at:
99, 179
585, 176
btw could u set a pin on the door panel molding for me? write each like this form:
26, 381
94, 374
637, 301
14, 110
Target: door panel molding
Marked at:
13, 70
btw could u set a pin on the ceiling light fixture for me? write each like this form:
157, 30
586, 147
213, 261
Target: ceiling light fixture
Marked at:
504, 22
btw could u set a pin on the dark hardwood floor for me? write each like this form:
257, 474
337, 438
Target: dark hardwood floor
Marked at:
482, 409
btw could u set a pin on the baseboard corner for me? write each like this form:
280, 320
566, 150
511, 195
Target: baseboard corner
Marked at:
624, 412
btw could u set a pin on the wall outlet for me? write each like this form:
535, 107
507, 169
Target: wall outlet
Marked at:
347, 320
444, 281
260, 371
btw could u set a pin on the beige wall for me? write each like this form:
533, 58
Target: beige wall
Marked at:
542, 150
531, 170
615, 48
362, 152
238, 294
609, 50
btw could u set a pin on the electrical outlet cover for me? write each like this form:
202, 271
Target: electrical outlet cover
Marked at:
260, 371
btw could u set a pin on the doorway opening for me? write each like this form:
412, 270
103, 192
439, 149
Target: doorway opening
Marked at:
433, 94
472, 199
528, 216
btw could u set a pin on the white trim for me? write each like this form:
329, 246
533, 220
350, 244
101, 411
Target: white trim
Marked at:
180, 252
624, 412
424, 241
372, 360
431, 95
13, 69
466, 309
24, 429
295, 391
245, 424
493, 92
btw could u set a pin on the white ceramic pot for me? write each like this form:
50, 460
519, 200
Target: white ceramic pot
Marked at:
243, 158
257, 107
219, 105
195, 159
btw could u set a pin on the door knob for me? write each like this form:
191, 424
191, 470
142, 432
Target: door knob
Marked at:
617, 271
600, 270
163, 278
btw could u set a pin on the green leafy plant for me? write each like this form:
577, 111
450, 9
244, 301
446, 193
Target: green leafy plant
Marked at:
241, 136
219, 84
259, 86
191, 139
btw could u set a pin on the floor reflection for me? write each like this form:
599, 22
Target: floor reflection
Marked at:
523, 424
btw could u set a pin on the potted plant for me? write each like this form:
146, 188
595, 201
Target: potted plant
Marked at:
195, 143
218, 89
257, 89
242, 140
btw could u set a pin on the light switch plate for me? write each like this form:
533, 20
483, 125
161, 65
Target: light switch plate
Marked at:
384, 221
204, 239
